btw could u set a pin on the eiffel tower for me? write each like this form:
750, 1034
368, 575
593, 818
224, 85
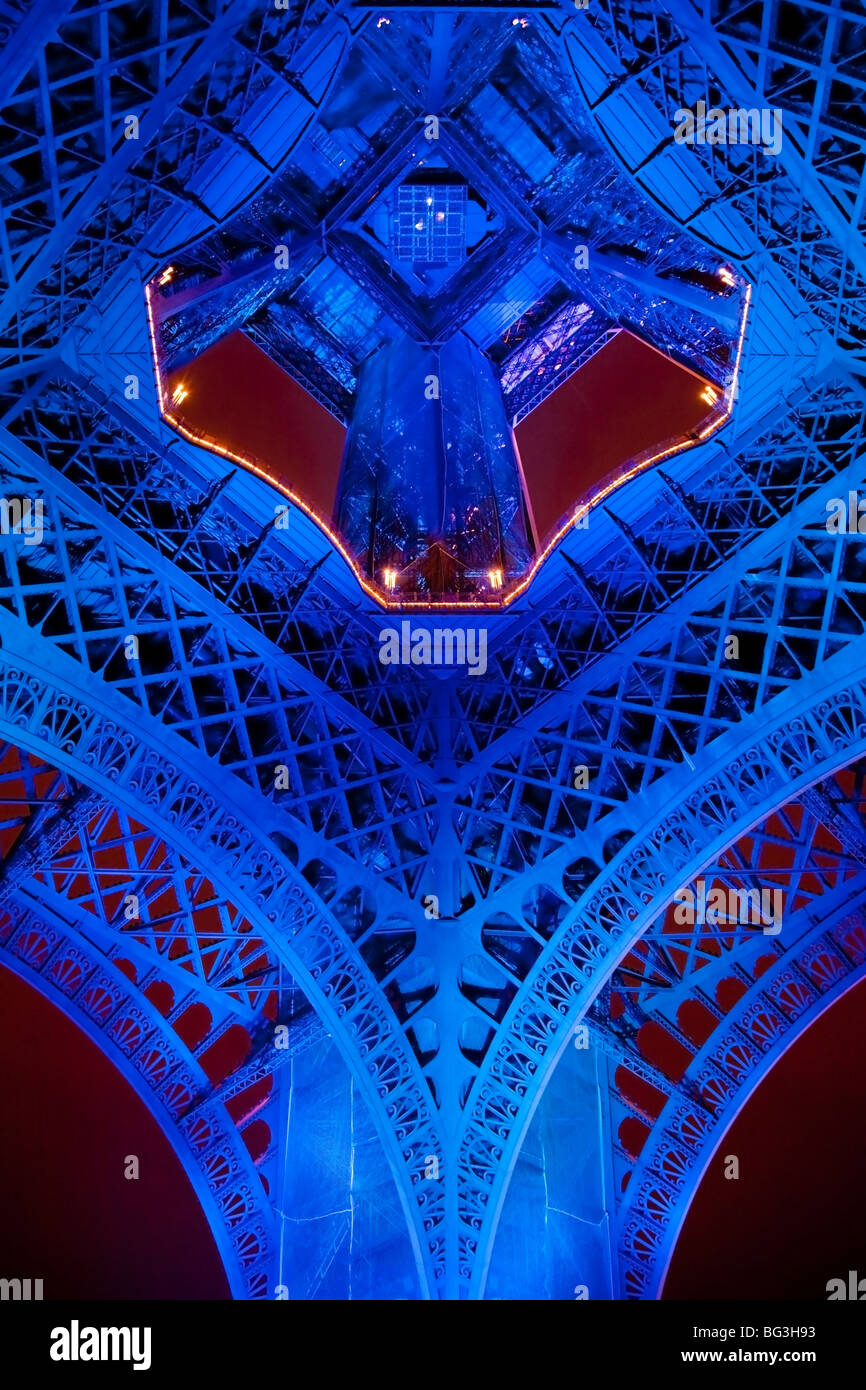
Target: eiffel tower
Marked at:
393, 952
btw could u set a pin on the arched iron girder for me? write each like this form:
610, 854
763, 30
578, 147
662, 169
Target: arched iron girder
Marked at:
39, 946
827, 958
575, 633
130, 766
824, 581
816, 727
807, 863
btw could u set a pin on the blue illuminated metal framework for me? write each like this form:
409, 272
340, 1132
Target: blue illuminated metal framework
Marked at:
279, 808
425, 294
431, 223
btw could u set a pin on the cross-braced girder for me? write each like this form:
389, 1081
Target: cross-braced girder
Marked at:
692, 1020
280, 804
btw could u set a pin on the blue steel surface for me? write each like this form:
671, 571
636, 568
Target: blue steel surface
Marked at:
400, 864
449, 230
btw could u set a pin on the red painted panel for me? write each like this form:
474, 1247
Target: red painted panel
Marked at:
239, 397
627, 398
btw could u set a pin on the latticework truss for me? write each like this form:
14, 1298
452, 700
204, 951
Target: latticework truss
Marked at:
226, 822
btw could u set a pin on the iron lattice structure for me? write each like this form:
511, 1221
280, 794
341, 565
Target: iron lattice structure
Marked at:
428, 1105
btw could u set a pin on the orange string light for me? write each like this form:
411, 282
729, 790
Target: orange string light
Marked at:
506, 598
